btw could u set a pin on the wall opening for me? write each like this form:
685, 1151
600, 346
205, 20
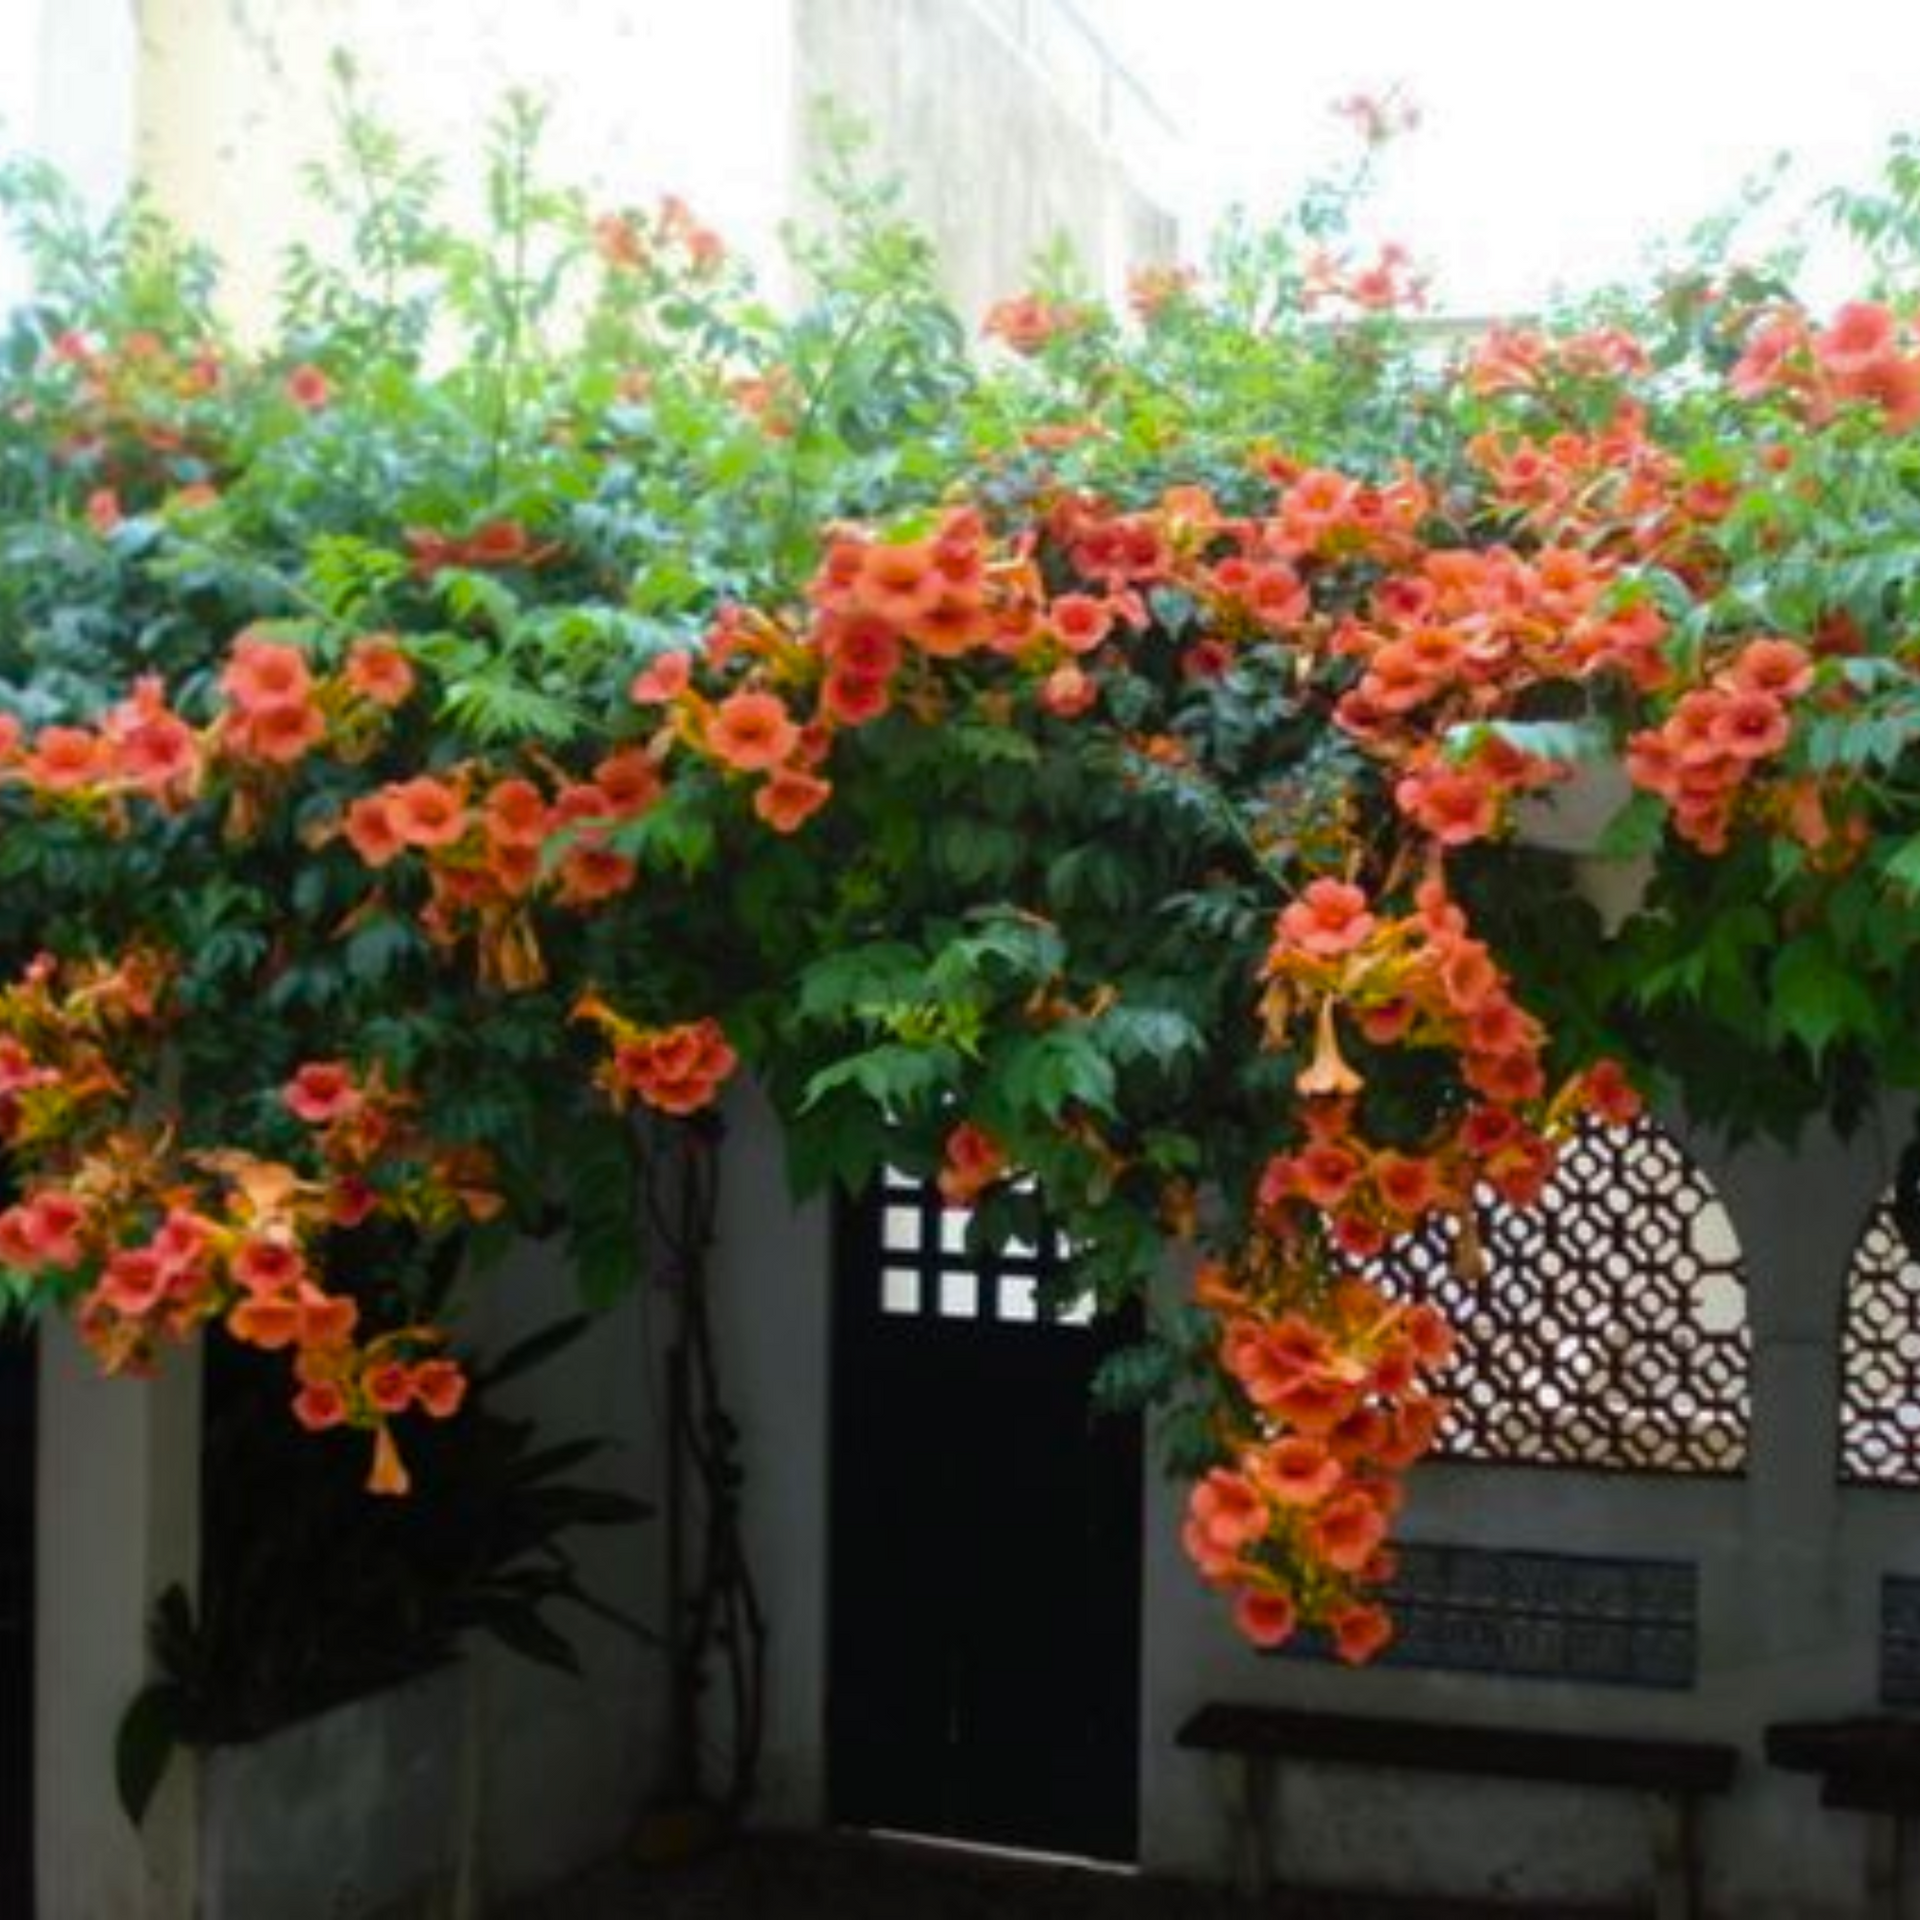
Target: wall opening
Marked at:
1609, 1327
1880, 1357
984, 1677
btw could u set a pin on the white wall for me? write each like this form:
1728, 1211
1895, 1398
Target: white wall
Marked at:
1000, 153
772, 1275
999, 150
568, 1768
648, 96
1790, 1568
118, 1462
118, 1503
564, 1764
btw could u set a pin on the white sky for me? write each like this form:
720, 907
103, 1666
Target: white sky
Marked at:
1557, 139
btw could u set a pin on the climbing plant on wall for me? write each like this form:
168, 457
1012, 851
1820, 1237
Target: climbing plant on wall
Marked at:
542, 680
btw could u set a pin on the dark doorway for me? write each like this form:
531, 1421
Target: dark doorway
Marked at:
17, 1400
985, 1641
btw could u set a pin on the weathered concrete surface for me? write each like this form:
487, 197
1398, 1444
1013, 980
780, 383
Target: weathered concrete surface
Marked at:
647, 96
119, 1506
346, 1816
998, 157
1790, 1568
1002, 150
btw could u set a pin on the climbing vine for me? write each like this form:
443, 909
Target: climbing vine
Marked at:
1099, 771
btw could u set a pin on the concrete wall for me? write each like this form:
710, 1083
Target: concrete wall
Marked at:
567, 1768
1002, 148
562, 1765
771, 1280
647, 96
118, 1505
1005, 137
1790, 1568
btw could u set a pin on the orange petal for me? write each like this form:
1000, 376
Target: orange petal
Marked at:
1329, 1073
389, 1473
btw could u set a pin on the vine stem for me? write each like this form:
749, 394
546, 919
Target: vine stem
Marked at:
714, 1607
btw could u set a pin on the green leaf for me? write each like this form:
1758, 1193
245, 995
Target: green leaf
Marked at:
150, 1730
534, 1350
604, 1225
1045, 1071
675, 835
1815, 1000
379, 946
1134, 1033
975, 851
1903, 866
986, 745
1134, 1377
499, 710
890, 1076
856, 979
1568, 742
517, 1625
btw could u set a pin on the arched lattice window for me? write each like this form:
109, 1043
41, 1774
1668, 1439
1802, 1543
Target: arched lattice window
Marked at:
1880, 1359
1609, 1329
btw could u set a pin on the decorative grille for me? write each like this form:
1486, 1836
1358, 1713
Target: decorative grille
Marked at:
1880, 1359
1609, 1329
1539, 1616
927, 1269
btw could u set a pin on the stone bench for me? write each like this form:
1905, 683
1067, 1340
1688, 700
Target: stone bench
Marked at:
1869, 1765
1673, 1775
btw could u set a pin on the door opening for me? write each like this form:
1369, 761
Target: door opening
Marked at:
985, 1646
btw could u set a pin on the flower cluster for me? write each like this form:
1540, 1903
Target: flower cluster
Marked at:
1863, 356
152, 1241
1029, 322
1336, 1408
677, 1070
493, 844
1708, 753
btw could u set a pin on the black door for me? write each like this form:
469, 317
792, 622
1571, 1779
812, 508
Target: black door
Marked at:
985, 1639
16, 1619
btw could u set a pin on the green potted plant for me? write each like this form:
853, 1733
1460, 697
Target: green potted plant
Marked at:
317, 1670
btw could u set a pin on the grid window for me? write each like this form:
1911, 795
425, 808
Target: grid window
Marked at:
928, 1270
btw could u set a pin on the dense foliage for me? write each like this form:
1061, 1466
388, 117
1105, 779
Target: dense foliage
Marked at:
1095, 769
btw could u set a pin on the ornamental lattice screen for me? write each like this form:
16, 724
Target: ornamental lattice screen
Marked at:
1880, 1359
1609, 1330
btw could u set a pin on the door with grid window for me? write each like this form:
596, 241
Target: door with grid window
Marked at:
986, 1545
16, 1619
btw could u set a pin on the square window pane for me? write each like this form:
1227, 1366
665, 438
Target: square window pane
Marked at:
959, 1296
899, 1290
1019, 1297
953, 1229
902, 1230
